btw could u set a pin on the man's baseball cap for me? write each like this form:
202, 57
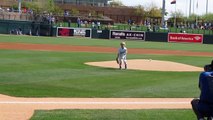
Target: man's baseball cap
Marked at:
212, 63
209, 67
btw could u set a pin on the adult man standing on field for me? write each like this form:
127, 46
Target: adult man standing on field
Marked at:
121, 56
203, 107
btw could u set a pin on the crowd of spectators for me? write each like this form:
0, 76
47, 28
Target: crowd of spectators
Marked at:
206, 26
86, 23
48, 19
202, 26
11, 9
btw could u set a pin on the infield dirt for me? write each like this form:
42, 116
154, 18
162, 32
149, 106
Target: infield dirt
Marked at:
12, 108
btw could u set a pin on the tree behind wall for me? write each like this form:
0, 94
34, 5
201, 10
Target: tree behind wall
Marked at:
192, 18
40, 6
208, 17
178, 15
116, 3
140, 10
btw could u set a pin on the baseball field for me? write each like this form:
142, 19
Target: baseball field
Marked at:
38, 68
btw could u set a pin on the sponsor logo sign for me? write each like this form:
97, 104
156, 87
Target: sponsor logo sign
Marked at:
65, 31
80, 31
133, 35
187, 38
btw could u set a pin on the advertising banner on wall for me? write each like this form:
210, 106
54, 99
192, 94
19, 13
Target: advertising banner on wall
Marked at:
66, 31
132, 35
185, 38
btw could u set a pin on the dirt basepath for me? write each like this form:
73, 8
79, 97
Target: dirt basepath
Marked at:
69, 48
12, 108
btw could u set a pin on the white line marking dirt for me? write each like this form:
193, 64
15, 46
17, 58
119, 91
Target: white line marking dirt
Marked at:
12, 108
97, 103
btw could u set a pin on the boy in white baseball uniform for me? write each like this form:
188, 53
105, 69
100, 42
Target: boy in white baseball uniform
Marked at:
121, 56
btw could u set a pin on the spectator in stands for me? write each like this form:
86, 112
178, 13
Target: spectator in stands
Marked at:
129, 22
86, 23
154, 27
66, 13
93, 24
149, 27
82, 23
69, 23
99, 24
145, 22
89, 15
205, 25
8, 9
79, 22
52, 20
25, 10
31, 11
192, 26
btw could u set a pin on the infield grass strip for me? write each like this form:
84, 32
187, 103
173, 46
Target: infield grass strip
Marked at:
107, 43
61, 74
114, 115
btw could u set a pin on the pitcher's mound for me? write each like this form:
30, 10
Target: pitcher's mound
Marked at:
148, 64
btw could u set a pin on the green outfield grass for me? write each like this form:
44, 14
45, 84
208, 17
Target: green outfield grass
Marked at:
64, 74
114, 115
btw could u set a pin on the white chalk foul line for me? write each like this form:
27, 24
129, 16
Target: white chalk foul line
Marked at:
97, 103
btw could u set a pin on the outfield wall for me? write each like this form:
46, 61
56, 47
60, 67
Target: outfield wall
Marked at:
208, 39
8, 26
40, 29
156, 37
101, 34
27, 28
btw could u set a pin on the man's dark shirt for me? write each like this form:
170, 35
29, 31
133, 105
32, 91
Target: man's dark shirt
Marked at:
206, 87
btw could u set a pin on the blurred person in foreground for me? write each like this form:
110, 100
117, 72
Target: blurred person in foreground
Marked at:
203, 106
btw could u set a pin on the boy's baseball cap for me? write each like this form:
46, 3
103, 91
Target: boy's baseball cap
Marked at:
123, 43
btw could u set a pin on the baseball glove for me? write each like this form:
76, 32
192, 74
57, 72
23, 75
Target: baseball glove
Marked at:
117, 60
